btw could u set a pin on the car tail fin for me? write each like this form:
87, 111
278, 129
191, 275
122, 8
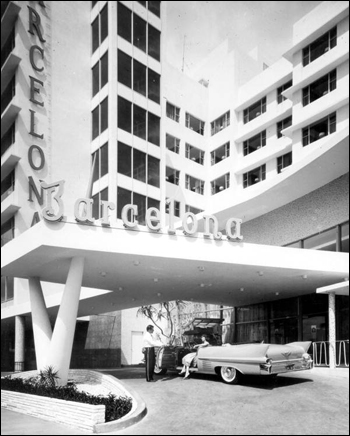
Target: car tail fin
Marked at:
305, 345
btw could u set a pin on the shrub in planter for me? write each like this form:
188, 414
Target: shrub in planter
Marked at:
116, 407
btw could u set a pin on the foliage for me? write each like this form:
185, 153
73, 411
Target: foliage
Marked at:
116, 407
48, 377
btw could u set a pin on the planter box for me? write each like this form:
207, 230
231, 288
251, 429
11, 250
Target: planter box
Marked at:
80, 415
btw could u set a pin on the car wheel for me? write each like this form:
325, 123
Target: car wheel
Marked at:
230, 375
159, 371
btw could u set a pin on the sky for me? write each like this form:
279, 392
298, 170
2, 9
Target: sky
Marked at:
195, 28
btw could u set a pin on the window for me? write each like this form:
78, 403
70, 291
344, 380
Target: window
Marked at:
154, 6
139, 122
172, 176
101, 162
93, 4
195, 124
7, 185
192, 209
123, 198
140, 201
176, 208
97, 205
143, 3
284, 162
195, 154
280, 97
151, 202
8, 139
7, 231
220, 123
220, 184
8, 94
325, 241
283, 125
124, 159
100, 74
254, 143
220, 154
254, 176
323, 44
153, 86
100, 28
153, 42
8, 47
172, 143
124, 69
344, 238
124, 22
194, 185
172, 112
153, 177
100, 118
6, 287
124, 114
139, 165
255, 110
140, 27
321, 87
318, 130
139, 78
153, 128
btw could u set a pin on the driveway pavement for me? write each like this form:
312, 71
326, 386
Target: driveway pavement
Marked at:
312, 402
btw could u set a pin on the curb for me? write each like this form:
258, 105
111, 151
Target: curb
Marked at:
128, 420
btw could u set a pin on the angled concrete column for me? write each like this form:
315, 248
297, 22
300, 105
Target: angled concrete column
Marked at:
332, 329
63, 334
41, 324
20, 328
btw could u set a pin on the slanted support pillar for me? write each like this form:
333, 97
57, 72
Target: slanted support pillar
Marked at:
19, 343
332, 329
41, 324
63, 334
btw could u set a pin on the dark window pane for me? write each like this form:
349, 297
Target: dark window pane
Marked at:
95, 122
124, 114
139, 78
124, 159
104, 115
153, 86
139, 122
104, 159
95, 79
96, 166
153, 128
153, 42
140, 202
95, 206
95, 34
139, 33
123, 198
154, 7
124, 69
139, 165
151, 202
153, 171
124, 22
323, 241
104, 70
104, 23
142, 3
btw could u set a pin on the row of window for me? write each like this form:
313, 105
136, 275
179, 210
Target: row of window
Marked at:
137, 31
136, 120
138, 77
152, 6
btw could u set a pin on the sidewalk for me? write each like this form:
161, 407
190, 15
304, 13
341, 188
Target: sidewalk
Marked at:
310, 402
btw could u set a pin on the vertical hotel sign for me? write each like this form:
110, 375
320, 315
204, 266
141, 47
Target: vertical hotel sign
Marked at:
36, 155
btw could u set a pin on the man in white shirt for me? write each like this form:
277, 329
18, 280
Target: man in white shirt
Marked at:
148, 344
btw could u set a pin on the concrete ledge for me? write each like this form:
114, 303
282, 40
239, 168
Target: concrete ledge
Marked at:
72, 414
80, 415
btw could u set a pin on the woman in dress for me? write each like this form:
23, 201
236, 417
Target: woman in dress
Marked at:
188, 359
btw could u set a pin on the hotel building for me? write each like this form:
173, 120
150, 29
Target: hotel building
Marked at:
91, 111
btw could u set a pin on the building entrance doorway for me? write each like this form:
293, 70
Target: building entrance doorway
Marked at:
283, 331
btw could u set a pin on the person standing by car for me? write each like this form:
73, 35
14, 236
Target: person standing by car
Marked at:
149, 342
192, 357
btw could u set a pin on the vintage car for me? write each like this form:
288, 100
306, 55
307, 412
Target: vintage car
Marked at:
230, 362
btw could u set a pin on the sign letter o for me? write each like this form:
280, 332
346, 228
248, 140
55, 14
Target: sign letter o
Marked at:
30, 157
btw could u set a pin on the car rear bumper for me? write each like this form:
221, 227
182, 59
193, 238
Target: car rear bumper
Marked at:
285, 366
